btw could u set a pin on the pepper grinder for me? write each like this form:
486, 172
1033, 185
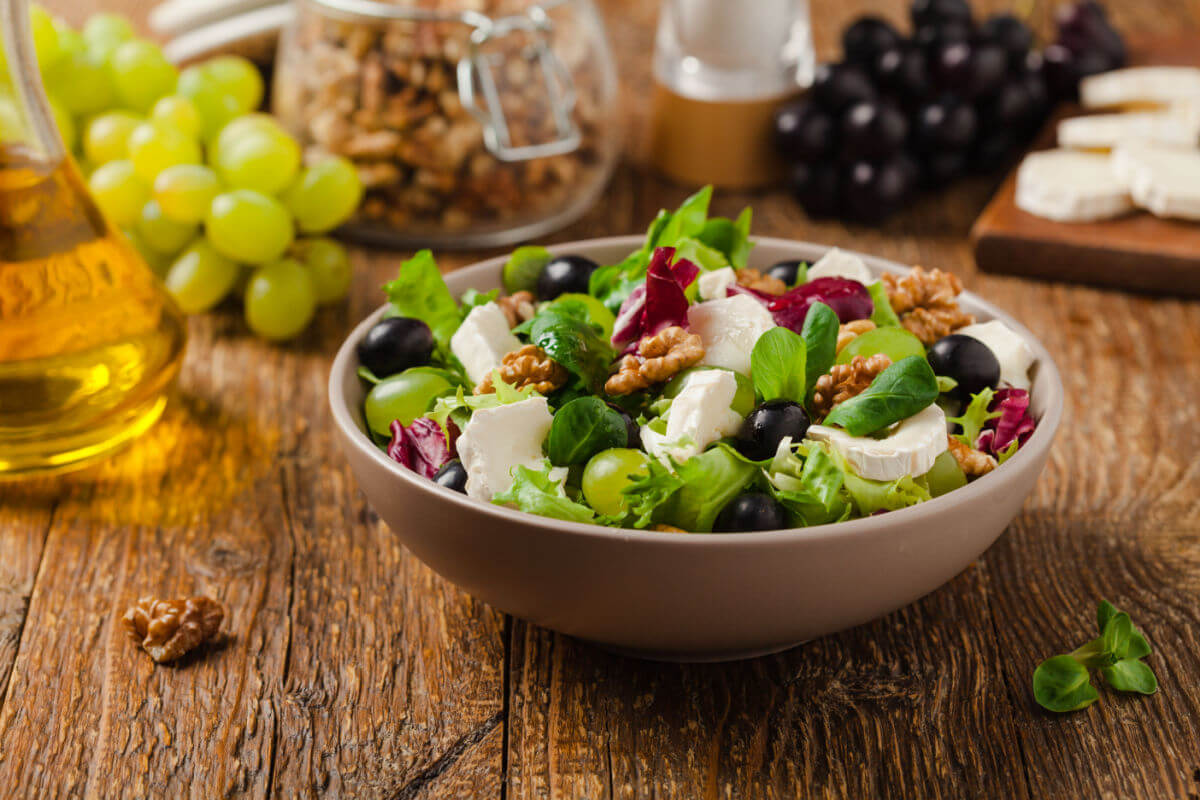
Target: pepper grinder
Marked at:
721, 68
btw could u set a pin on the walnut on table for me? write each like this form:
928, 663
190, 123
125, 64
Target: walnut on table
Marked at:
167, 629
767, 284
973, 462
527, 367
844, 381
926, 303
659, 358
849, 331
517, 307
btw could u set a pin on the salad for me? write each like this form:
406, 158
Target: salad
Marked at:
682, 390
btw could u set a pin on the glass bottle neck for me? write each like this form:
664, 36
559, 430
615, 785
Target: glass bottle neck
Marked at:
36, 134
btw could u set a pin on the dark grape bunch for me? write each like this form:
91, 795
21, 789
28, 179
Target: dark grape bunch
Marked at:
898, 114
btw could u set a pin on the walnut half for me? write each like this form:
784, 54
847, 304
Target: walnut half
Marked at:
973, 462
528, 366
659, 358
926, 302
166, 629
844, 381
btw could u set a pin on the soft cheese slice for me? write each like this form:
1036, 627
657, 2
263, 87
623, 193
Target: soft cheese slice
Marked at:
497, 440
838, 264
1163, 180
713, 285
1010, 350
1069, 186
728, 328
1177, 126
1141, 86
699, 415
910, 448
482, 341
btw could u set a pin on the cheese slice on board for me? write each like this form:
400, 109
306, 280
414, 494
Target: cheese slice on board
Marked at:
1070, 186
1140, 86
1176, 126
1163, 180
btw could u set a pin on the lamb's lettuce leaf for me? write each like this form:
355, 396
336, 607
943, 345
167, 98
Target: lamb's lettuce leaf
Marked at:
731, 238
901, 390
565, 331
536, 492
777, 365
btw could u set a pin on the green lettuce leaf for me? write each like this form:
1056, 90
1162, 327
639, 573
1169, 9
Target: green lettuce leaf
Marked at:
819, 333
459, 406
535, 492
710, 481
473, 297
883, 315
808, 483
973, 418
419, 291
869, 496
731, 238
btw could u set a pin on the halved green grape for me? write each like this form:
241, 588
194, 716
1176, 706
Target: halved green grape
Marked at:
81, 80
106, 137
609, 472
325, 195
280, 300
405, 397
154, 146
265, 162
329, 265
185, 191
248, 226
178, 112
894, 342
237, 77
64, 122
104, 32
141, 74
200, 278
743, 398
162, 233
118, 191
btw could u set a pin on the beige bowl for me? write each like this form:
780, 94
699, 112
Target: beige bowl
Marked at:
702, 596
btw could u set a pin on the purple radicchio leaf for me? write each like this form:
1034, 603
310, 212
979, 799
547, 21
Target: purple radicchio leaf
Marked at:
660, 302
1015, 423
849, 299
423, 446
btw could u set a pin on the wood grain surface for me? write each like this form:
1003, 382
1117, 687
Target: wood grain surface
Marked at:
350, 670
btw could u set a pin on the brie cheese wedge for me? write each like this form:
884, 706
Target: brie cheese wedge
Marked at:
1163, 180
1141, 86
910, 448
1010, 350
1175, 126
1068, 186
838, 264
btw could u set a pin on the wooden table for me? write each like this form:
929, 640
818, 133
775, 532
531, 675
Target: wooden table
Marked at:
354, 671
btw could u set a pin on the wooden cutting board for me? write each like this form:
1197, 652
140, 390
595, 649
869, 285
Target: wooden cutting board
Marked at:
1138, 251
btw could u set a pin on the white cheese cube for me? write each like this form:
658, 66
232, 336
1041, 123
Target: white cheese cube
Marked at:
838, 264
910, 448
482, 341
713, 285
496, 440
1010, 350
699, 415
729, 327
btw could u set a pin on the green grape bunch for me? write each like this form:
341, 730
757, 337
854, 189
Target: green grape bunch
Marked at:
214, 194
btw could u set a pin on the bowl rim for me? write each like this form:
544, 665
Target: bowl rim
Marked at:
1048, 377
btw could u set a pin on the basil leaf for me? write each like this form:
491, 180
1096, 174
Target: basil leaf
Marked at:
535, 492
687, 220
777, 365
820, 340
1130, 675
582, 428
883, 315
1062, 684
564, 332
419, 291
897, 393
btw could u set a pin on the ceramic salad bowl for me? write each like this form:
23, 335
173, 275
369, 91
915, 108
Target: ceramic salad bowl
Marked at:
692, 596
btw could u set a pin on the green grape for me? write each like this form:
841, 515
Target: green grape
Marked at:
265, 162
200, 277
141, 74
158, 262
404, 397
162, 233
895, 342
12, 123
248, 226
154, 146
118, 191
103, 33
70, 41
238, 77
106, 137
280, 300
329, 265
240, 127
45, 36
65, 123
185, 191
215, 108
945, 475
608, 473
325, 195
82, 82
178, 112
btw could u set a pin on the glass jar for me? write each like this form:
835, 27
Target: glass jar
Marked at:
472, 122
